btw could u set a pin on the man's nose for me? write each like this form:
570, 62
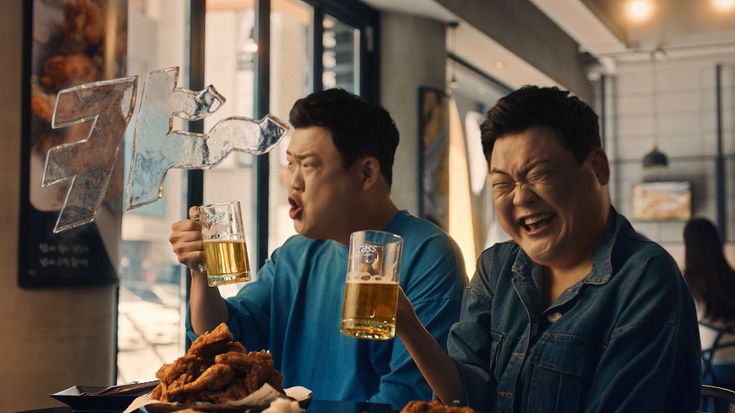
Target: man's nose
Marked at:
295, 180
523, 194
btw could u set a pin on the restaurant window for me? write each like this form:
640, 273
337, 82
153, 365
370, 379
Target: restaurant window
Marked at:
341, 57
150, 304
229, 62
291, 71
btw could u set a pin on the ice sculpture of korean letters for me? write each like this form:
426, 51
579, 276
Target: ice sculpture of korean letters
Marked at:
157, 148
89, 162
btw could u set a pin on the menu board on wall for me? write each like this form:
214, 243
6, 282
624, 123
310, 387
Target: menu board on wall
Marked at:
66, 43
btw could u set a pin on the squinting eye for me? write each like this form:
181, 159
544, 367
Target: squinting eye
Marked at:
501, 186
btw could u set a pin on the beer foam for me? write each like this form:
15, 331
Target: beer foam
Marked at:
361, 277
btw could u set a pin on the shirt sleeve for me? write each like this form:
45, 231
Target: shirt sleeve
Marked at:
435, 292
249, 310
651, 362
472, 344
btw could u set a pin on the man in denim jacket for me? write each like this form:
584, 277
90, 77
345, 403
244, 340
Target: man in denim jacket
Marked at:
578, 313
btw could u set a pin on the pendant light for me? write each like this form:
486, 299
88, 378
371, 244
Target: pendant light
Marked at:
655, 159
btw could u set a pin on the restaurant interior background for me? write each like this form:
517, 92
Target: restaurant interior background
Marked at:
660, 77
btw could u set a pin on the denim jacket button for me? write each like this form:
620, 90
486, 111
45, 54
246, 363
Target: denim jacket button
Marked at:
505, 394
554, 317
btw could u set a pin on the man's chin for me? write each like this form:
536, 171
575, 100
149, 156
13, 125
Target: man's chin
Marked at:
298, 227
304, 231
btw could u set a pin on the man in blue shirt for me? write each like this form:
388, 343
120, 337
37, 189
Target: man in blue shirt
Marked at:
340, 160
578, 313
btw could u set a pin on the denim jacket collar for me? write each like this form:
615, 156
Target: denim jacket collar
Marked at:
601, 262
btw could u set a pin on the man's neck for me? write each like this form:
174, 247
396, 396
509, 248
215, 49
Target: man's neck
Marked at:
562, 277
373, 215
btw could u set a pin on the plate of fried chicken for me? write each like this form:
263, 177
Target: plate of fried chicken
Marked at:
218, 373
434, 406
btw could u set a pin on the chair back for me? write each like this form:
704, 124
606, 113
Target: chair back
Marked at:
722, 398
709, 375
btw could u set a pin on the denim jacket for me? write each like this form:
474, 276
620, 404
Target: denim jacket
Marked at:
623, 339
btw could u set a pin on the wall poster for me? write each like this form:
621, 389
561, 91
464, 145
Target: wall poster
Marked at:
66, 43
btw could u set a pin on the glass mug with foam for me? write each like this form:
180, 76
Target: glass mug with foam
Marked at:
371, 285
225, 253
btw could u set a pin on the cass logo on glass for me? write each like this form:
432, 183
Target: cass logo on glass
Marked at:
369, 253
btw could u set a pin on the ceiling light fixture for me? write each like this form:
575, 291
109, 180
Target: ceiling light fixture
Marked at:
724, 5
640, 10
655, 159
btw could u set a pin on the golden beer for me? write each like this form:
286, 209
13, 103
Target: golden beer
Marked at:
369, 309
226, 262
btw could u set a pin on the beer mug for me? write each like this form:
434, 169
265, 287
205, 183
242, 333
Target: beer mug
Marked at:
371, 287
225, 253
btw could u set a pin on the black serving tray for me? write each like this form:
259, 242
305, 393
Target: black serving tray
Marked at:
102, 398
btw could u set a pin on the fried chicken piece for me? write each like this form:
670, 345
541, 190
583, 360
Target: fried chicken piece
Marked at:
240, 362
235, 391
159, 391
256, 367
187, 364
263, 372
216, 377
236, 346
212, 343
434, 406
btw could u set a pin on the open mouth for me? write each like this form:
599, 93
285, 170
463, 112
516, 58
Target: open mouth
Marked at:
295, 210
536, 223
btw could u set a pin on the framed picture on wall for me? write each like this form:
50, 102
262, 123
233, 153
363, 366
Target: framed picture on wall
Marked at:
434, 156
662, 201
66, 43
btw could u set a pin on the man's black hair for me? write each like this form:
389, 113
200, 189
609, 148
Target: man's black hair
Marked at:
574, 123
357, 128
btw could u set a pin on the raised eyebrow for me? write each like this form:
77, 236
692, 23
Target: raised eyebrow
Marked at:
302, 156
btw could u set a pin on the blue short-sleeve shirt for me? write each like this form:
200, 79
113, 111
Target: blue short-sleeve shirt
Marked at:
294, 309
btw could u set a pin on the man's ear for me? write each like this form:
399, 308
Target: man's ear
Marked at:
600, 165
369, 169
